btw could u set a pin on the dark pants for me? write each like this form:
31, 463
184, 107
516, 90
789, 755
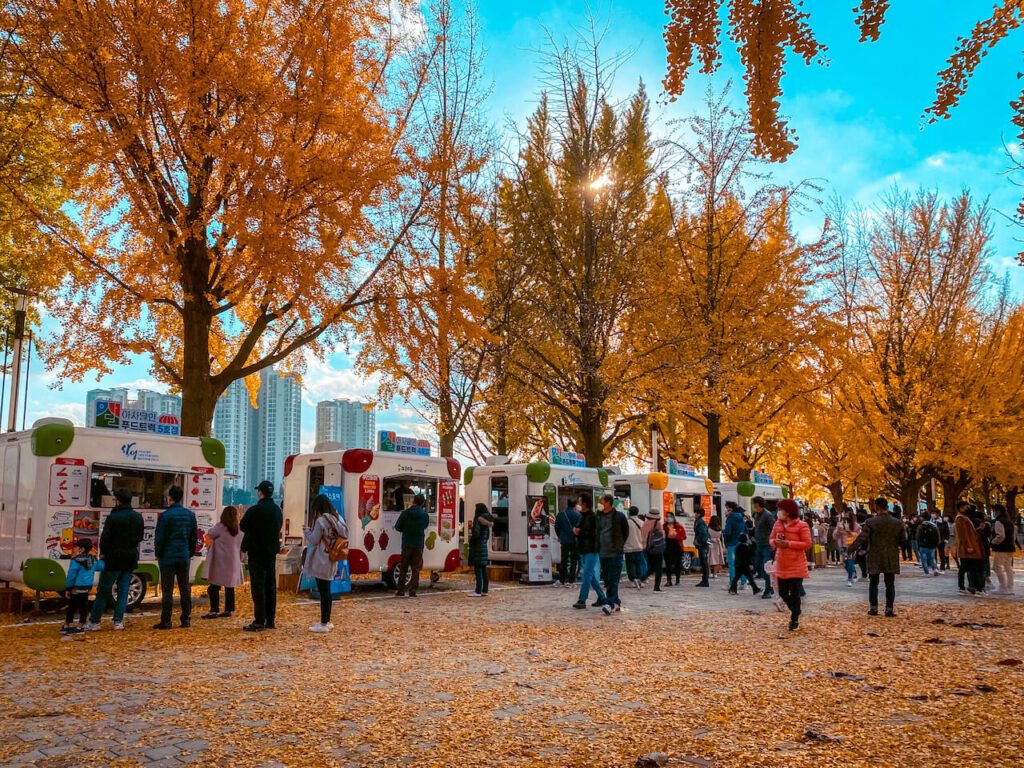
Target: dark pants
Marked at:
862, 563
705, 568
482, 582
974, 571
78, 603
229, 598
323, 588
673, 562
611, 572
168, 575
634, 565
890, 590
746, 570
412, 560
103, 595
654, 565
263, 582
789, 591
569, 567
944, 556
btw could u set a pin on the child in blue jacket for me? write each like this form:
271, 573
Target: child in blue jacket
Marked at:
81, 574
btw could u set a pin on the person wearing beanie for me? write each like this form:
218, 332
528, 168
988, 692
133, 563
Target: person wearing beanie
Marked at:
790, 539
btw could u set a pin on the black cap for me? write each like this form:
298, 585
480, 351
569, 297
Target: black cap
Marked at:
123, 495
266, 488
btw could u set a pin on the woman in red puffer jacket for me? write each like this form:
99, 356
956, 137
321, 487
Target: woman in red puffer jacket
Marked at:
790, 539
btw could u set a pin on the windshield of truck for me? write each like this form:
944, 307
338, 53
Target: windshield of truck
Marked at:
148, 487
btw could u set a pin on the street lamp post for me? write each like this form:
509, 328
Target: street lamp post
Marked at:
20, 305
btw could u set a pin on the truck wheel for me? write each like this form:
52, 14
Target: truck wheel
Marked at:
136, 591
391, 576
389, 579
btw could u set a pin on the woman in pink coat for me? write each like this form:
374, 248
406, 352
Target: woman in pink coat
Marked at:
790, 539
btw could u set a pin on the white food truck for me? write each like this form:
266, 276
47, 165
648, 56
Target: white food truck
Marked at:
524, 499
374, 487
57, 485
742, 492
671, 493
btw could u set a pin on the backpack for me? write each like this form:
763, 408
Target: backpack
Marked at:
337, 549
928, 536
656, 542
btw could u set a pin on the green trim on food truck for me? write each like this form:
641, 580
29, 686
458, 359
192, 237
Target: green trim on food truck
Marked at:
745, 489
52, 439
213, 452
602, 476
43, 574
467, 476
538, 471
151, 571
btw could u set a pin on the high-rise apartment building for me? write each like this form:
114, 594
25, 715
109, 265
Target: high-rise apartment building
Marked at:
279, 419
233, 425
350, 423
169, 405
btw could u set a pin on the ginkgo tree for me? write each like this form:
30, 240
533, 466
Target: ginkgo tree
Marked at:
239, 159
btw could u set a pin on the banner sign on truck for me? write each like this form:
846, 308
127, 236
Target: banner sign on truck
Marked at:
448, 499
538, 539
110, 414
389, 442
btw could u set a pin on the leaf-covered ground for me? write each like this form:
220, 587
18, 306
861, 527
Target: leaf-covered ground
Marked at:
521, 679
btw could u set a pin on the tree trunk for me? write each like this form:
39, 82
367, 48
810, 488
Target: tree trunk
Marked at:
910, 491
198, 398
714, 447
838, 495
743, 474
953, 488
447, 443
591, 436
1011, 503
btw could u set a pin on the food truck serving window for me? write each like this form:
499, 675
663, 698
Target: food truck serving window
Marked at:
400, 490
499, 509
148, 487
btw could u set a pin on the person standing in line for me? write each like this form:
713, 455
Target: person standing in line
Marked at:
734, 526
412, 524
223, 569
327, 528
177, 539
479, 537
675, 534
942, 550
613, 530
928, 539
634, 549
860, 554
702, 542
883, 536
984, 528
261, 541
119, 546
590, 558
764, 521
654, 546
1003, 549
971, 574
77, 586
565, 521
716, 550
790, 539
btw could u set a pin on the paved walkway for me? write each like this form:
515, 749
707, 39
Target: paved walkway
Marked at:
520, 678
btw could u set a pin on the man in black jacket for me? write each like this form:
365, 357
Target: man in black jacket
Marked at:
612, 532
261, 541
883, 536
119, 550
590, 558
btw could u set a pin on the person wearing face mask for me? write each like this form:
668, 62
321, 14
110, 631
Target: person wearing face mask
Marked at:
674, 537
790, 539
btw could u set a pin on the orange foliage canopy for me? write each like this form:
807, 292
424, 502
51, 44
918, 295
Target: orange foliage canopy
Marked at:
232, 153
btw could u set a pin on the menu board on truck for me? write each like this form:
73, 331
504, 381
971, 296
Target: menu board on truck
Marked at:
68, 482
60, 534
538, 539
369, 495
201, 489
448, 496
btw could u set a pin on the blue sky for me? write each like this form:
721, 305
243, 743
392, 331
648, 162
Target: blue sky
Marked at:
858, 121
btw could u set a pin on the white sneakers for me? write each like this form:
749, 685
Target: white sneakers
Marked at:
476, 594
849, 582
322, 627
119, 626
90, 627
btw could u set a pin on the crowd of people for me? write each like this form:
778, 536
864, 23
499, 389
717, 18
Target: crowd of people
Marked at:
774, 544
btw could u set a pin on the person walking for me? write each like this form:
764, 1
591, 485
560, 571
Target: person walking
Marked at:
479, 537
675, 535
327, 528
261, 541
716, 550
928, 540
985, 530
565, 521
790, 539
971, 574
412, 524
119, 546
734, 526
846, 533
1003, 548
654, 546
613, 530
702, 542
883, 537
590, 557
764, 521
634, 549
744, 565
176, 541
223, 568
943, 548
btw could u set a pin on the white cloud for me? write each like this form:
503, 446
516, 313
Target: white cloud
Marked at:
324, 381
937, 160
135, 385
74, 412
